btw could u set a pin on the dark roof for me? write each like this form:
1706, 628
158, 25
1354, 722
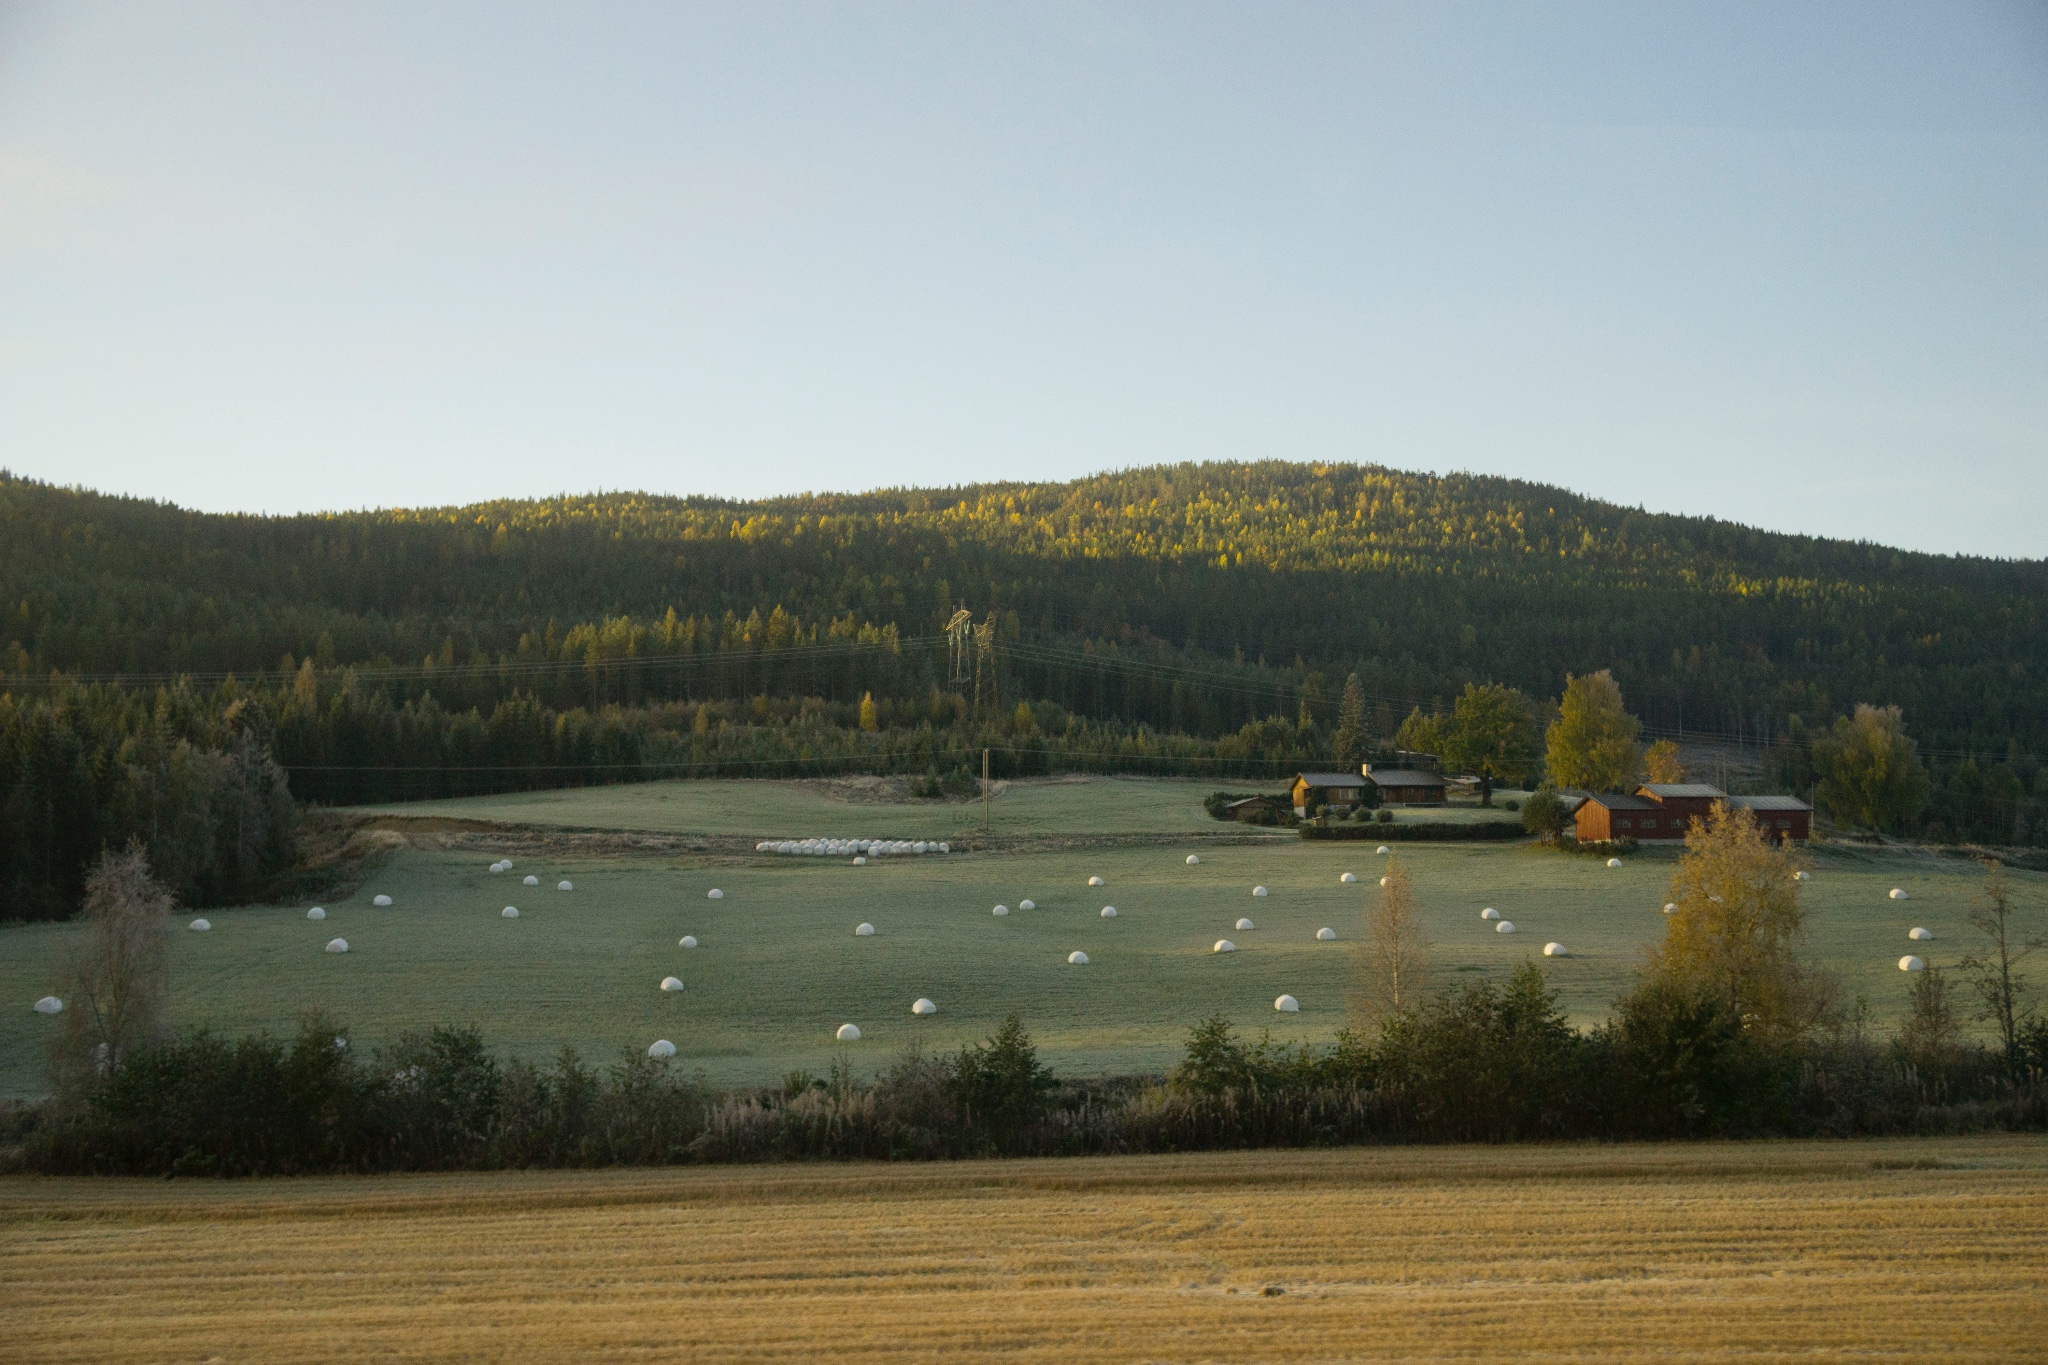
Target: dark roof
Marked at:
1701, 790
1404, 777
1618, 801
1768, 803
1333, 779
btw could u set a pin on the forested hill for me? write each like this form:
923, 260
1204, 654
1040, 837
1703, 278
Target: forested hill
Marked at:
1417, 583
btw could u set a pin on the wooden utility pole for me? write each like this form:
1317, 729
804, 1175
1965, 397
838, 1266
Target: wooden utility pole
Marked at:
986, 825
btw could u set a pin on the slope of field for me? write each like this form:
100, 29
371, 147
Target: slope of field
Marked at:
779, 967
848, 809
1934, 1249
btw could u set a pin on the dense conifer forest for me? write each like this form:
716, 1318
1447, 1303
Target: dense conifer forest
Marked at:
1185, 615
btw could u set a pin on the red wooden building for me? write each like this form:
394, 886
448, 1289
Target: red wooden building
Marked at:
1663, 811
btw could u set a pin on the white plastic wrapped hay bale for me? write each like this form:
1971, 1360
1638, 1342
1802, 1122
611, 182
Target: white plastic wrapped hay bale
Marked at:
671, 984
316, 913
1801, 876
337, 945
1000, 911
1027, 904
945, 847
1919, 935
1506, 926
1109, 912
531, 880
1244, 923
1259, 892
497, 868
200, 926
848, 1033
714, 894
1383, 849
1348, 878
1489, 914
860, 861
923, 1006
565, 885
1194, 861
1910, 963
863, 930
660, 1048
1614, 862
49, 1004
381, 902
687, 941
1287, 1004
1326, 935
1555, 950
1077, 958
509, 912
1670, 907
1097, 881
1224, 945
1897, 894
1386, 882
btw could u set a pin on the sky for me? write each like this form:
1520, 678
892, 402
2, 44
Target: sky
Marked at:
1785, 264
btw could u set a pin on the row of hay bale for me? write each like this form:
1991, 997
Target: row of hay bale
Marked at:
840, 848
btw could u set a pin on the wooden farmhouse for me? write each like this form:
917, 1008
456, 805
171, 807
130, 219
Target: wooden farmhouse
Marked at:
1663, 811
1406, 786
1336, 789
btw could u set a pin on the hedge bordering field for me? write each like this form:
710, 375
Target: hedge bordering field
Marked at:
1437, 832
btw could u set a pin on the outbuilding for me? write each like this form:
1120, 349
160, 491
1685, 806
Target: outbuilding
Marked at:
1406, 786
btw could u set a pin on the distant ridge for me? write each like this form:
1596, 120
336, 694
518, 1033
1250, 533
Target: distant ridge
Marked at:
1417, 582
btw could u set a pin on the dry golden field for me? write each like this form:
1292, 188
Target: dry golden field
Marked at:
1934, 1249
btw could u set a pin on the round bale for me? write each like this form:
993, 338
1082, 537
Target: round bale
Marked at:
1027, 904
1489, 913
1259, 892
1097, 881
1109, 912
923, 1006
714, 894
1919, 935
1287, 1004
671, 984
1909, 963
564, 886
316, 913
1077, 958
863, 930
49, 1004
1348, 878
1555, 950
509, 912
1506, 926
1224, 945
337, 945
687, 941
1244, 923
1897, 894
1614, 862
848, 1033
1326, 935
200, 926
1193, 861
661, 1047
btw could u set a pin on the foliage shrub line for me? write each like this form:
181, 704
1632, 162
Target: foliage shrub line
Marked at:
1491, 1062
1432, 832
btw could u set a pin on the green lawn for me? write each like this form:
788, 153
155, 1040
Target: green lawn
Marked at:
779, 967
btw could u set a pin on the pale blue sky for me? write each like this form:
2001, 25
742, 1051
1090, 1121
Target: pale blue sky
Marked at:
1786, 264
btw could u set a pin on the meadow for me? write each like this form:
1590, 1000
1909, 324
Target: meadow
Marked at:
779, 968
1929, 1249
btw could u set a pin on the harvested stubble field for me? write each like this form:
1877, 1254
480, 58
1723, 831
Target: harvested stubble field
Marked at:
779, 969
1930, 1249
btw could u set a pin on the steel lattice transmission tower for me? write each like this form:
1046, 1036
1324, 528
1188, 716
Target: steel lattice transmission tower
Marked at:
985, 702
959, 649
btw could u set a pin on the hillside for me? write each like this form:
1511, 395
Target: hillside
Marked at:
1193, 576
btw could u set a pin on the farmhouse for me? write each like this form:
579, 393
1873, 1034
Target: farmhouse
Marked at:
1664, 810
1406, 786
1252, 808
1338, 789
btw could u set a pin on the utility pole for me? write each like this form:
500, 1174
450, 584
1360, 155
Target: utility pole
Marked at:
986, 823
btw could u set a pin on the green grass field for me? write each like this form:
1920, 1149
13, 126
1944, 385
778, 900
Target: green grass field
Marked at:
780, 968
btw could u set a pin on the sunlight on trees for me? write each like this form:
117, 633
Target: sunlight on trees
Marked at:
1393, 963
1870, 771
1738, 928
1592, 743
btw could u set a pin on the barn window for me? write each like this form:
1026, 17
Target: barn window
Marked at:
1623, 824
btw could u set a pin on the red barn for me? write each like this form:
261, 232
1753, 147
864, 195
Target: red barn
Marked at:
1663, 811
